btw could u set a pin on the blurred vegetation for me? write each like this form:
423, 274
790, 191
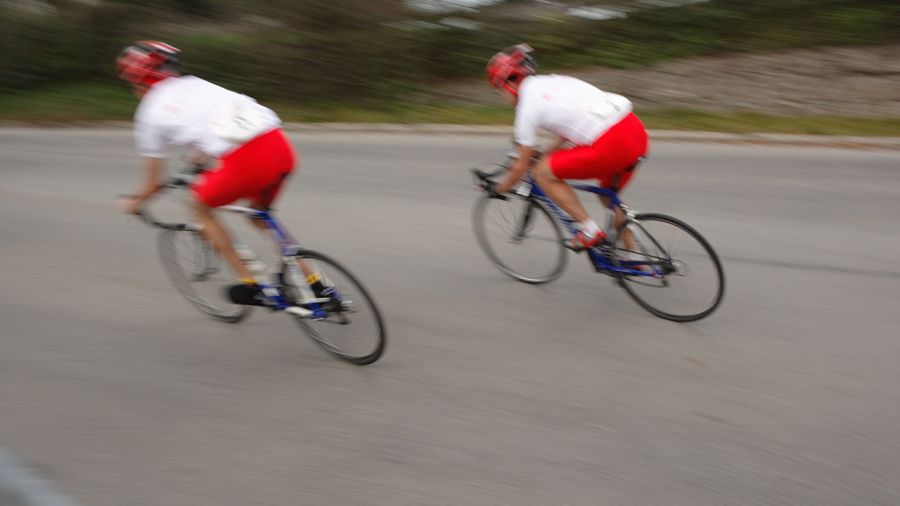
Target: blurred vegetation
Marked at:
378, 54
103, 102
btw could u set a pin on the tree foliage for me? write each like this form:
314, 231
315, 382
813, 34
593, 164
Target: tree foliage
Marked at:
375, 50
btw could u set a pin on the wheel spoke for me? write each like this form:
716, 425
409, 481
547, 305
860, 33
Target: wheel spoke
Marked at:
191, 265
520, 238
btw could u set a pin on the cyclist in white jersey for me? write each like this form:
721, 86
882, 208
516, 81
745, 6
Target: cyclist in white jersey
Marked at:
608, 138
255, 157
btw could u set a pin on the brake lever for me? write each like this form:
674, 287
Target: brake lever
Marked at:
182, 179
480, 175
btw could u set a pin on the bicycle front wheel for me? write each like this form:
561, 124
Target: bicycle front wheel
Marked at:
682, 276
353, 328
520, 237
199, 274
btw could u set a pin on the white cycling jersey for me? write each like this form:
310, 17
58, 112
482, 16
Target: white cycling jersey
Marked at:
568, 107
190, 111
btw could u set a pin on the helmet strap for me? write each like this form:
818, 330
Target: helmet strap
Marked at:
512, 88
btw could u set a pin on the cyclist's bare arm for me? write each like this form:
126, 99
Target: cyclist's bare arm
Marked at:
518, 168
154, 170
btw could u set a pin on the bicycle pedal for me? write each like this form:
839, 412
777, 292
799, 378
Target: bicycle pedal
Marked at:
571, 247
577, 249
299, 311
317, 300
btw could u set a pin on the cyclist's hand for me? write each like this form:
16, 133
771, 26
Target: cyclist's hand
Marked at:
129, 204
490, 187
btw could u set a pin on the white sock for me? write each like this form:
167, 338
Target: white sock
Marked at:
589, 227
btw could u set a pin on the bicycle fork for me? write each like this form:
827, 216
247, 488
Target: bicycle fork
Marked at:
524, 222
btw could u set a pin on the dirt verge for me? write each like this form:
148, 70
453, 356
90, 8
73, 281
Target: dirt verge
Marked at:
830, 81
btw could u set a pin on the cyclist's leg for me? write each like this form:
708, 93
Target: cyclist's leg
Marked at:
618, 220
218, 236
550, 174
617, 182
263, 227
597, 161
614, 151
216, 188
559, 191
282, 160
580, 162
631, 141
246, 172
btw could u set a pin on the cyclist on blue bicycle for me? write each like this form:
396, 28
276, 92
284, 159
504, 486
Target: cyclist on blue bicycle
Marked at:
254, 155
609, 140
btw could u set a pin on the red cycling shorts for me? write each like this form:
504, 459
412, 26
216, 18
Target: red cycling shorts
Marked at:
610, 159
254, 171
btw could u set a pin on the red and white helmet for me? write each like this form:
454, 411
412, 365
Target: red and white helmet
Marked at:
510, 66
146, 62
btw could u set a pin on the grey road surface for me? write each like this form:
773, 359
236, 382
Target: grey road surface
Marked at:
491, 392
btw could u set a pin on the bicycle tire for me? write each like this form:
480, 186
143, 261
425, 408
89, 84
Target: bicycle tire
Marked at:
672, 264
192, 264
354, 300
517, 219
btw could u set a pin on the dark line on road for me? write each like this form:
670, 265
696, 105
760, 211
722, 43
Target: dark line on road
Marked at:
25, 486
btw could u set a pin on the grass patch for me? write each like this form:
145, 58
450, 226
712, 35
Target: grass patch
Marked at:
102, 102
397, 113
752, 122
71, 103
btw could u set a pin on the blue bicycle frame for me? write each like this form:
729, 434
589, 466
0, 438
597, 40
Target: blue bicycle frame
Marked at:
287, 244
599, 257
289, 247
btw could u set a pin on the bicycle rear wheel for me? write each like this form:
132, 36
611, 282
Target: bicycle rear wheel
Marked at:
521, 238
199, 274
353, 328
686, 280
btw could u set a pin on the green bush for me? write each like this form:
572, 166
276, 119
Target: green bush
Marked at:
360, 51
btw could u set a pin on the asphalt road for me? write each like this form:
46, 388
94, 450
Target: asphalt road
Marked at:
491, 392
